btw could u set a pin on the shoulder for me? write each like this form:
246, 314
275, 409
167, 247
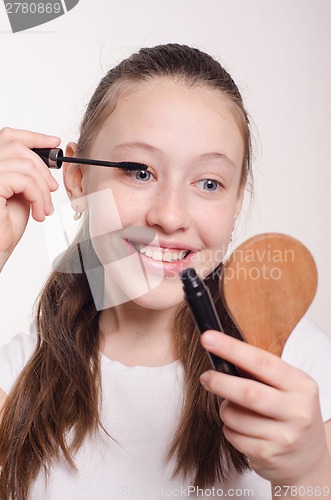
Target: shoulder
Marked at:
309, 349
305, 340
13, 357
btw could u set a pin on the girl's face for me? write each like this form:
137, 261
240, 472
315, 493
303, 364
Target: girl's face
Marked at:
183, 209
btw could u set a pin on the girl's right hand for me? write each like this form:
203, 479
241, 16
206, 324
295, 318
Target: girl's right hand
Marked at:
25, 181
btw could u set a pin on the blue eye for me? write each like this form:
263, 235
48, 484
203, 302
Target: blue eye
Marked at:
210, 185
142, 175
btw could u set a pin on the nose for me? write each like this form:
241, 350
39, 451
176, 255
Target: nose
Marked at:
169, 210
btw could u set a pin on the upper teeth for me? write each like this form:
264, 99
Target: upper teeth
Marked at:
158, 253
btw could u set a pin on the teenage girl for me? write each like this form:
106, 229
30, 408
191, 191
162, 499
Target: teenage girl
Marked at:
111, 394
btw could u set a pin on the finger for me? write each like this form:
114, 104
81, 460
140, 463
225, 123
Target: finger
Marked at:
250, 394
29, 138
247, 422
14, 183
29, 193
254, 448
263, 365
28, 170
17, 149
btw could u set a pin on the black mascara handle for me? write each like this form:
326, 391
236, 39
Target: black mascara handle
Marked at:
50, 156
209, 320
200, 302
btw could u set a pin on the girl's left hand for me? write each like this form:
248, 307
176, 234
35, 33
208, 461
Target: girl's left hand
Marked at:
275, 420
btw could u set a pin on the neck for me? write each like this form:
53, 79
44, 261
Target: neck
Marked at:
134, 335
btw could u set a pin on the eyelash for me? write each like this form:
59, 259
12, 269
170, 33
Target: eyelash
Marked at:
133, 176
220, 186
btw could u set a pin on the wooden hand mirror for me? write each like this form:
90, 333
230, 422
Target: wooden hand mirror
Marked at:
267, 285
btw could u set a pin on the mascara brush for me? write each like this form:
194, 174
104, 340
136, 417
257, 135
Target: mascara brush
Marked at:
53, 157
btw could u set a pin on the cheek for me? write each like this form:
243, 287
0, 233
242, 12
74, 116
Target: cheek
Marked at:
104, 212
111, 211
112, 220
216, 226
105, 226
131, 208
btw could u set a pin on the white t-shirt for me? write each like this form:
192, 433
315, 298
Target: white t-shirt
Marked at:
141, 408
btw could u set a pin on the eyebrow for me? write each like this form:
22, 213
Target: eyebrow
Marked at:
152, 149
140, 145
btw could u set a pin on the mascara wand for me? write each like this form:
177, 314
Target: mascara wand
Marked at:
53, 157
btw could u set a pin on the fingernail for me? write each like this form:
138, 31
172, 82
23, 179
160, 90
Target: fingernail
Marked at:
203, 378
209, 339
53, 138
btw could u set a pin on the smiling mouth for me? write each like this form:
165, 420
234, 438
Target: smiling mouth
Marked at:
161, 254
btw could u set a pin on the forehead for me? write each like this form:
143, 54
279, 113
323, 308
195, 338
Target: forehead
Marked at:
171, 113
161, 92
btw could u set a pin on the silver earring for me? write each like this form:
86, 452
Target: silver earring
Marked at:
77, 215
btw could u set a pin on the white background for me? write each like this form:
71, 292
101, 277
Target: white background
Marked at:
279, 53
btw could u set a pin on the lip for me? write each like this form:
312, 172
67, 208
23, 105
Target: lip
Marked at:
170, 245
168, 269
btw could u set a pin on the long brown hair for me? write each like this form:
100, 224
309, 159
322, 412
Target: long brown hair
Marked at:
49, 398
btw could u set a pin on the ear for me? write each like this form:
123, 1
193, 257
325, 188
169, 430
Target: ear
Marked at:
73, 178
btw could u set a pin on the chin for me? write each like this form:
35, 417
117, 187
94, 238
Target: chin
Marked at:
158, 303
162, 297
155, 292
